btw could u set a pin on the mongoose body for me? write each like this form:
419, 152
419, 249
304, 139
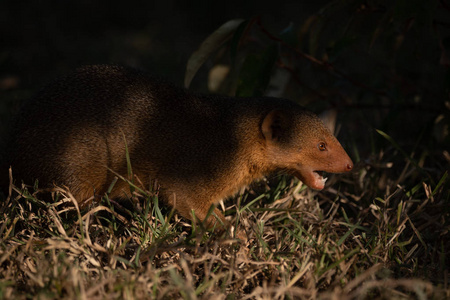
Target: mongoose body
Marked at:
199, 148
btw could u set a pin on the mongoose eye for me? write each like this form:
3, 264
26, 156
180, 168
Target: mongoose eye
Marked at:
322, 146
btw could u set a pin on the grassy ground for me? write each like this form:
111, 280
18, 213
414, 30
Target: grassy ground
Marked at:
381, 232
385, 242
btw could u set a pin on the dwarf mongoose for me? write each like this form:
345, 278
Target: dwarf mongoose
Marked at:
200, 148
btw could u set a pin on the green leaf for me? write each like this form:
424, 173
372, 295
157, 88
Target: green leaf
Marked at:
413, 190
210, 45
346, 235
237, 37
336, 263
255, 73
440, 183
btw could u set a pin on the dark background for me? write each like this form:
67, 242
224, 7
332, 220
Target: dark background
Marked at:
40, 40
43, 38
393, 56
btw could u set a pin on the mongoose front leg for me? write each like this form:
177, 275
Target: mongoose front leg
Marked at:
198, 210
207, 213
215, 219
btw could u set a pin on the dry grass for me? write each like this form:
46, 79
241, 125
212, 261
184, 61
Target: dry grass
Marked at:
381, 232
366, 236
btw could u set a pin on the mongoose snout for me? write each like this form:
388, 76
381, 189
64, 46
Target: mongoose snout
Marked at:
200, 148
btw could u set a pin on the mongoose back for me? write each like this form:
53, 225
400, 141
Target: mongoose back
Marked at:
199, 148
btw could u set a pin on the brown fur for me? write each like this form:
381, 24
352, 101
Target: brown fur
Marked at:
200, 148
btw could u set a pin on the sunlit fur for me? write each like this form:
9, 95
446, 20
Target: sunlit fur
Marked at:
199, 148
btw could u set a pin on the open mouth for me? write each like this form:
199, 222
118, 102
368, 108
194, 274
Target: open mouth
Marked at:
313, 179
320, 180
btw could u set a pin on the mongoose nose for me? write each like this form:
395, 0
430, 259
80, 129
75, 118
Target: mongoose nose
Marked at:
349, 166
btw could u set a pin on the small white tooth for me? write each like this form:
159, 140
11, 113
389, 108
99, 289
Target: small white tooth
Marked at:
324, 180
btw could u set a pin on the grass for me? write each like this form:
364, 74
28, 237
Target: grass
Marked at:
381, 232
368, 235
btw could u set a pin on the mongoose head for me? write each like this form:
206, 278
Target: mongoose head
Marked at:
298, 142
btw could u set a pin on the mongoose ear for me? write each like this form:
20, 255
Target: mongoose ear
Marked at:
273, 125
